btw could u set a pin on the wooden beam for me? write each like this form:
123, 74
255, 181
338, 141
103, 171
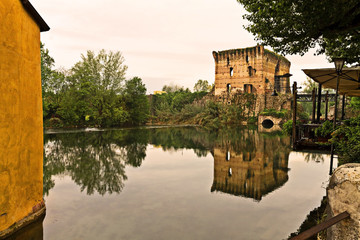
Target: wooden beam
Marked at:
294, 115
313, 106
326, 105
322, 226
319, 105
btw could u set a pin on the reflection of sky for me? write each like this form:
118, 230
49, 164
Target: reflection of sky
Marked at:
163, 41
169, 197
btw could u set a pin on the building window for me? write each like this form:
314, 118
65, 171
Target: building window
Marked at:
228, 61
250, 70
247, 58
248, 88
231, 72
228, 88
228, 156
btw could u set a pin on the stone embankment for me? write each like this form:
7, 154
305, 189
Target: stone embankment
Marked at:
344, 195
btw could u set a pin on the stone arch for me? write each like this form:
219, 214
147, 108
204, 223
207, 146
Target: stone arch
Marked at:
267, 123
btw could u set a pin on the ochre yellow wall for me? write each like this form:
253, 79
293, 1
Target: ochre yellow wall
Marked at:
21, 137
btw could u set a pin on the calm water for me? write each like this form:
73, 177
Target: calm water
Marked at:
178, 183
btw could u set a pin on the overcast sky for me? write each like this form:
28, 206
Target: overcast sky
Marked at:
163, 41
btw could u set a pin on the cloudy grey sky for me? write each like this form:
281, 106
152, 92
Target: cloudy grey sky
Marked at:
163, 41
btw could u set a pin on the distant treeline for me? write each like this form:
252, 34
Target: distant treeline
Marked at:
95, 93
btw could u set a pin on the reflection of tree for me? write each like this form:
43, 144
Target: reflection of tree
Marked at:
314, 157
95, 161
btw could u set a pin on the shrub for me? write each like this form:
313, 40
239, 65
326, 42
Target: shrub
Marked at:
324, 130
55, 122
287, 127
252, 120
347, 141
283, 113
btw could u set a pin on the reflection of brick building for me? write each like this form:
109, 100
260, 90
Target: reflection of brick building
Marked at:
259, 167
252, 70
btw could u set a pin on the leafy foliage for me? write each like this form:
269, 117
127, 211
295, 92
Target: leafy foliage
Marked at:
92, 93
293, 27
287, 127
202, 86
136, 101
347, 141
324, 130
283, 113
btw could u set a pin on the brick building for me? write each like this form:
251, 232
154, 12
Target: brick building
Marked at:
252, 70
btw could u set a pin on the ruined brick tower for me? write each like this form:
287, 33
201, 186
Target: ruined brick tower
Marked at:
251, 70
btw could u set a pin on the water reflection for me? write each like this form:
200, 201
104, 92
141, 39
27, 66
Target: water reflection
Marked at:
95, 161
178, 183
33, 231
246, 163
252, 166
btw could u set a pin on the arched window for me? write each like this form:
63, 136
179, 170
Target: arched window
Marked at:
228, 61
231, 72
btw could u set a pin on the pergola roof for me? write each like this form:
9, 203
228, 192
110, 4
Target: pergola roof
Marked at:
349, 82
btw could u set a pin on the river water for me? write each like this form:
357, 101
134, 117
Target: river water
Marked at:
178, 183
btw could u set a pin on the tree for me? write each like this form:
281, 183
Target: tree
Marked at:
95, 85
47, 63
310, 85
52, 83
173, 88
202, 86
136, 101
293, 27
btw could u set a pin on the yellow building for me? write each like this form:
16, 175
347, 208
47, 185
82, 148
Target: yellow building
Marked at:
159, 92
21, 132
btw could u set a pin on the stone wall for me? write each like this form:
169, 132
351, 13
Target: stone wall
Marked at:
250, 70
21, 132
344, 195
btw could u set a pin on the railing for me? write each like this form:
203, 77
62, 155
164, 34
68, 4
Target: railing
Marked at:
320, 227
301, 97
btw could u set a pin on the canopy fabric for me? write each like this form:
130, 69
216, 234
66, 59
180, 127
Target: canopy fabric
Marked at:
349, 82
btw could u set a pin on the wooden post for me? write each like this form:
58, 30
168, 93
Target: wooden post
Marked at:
326, 104
314, 105
343, 107
319, 105
294, 115
334, 122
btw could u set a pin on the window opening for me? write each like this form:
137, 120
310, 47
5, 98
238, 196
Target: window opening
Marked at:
228, 156
250, 69
228, 87
228, 61
231, 72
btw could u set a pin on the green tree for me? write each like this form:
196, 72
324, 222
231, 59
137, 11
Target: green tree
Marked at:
47, 63
293, 27
309, 85
136, 101
95, 85
52, 83
173, 88
202, 86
